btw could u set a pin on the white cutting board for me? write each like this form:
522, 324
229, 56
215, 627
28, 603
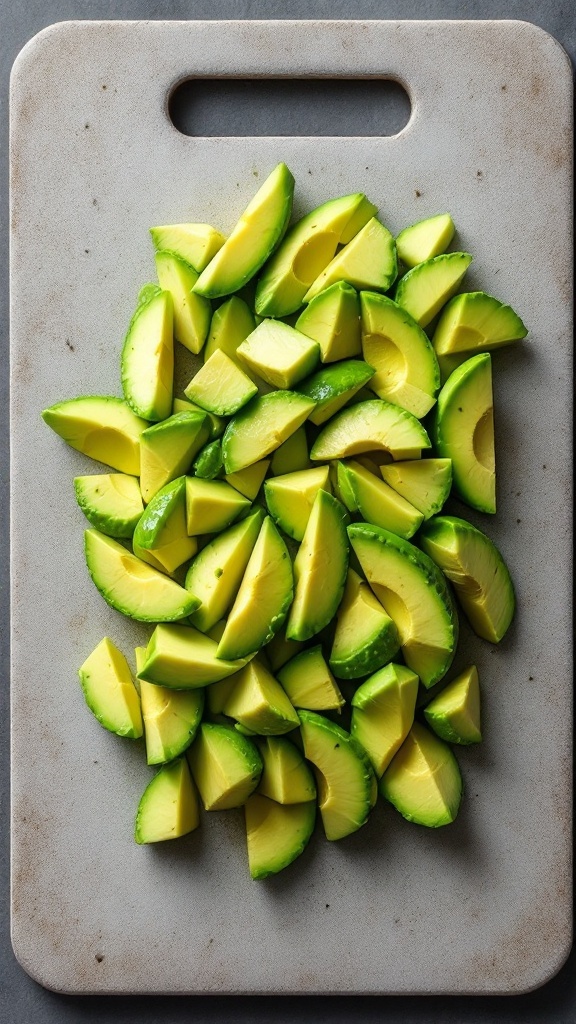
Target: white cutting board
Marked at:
481, 906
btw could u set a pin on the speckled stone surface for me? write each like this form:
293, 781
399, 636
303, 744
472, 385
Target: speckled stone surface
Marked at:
483, 906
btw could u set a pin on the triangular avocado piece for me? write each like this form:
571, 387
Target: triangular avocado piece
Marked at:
109, 690
261, 427
259, 702
423, 780
454, 714
424, 289
249, 481
276, 833
194, 243
366, 637
425, 239
185, 659
160, 537
383, 713
103, 428
168, 448
475, 321
171, 717
211, 505
220, 386
332, 319
290, 498
286, 778
367, 261
216, 573
425, 483
191, 312
226, 766
309, 682
380, 504
169, 805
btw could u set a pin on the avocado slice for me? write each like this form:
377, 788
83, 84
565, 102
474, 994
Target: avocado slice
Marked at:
220, 386
194, 243
171, 717
479, 574
280, 649
249, 481
103, 428
182, 658
309, 682
168, 807
380, 504
261, 427
259, 703
226, 766
160, 537
211, 505
231, 324
333, 386
463, 431
319, 569
286, 778
264, 596
292, 455
367, 261
332, 319
109, 691
343, 775
110, 501
308, 247
423, 780
424, 289
276, 833
412, 590
192, 313
279, 354
476, 321
383, 713
425, 483
402, 355
366, 637
253, 239
454, 714
209, 463
147, 360
425, 239
168, 448
290, 497
130, 585
216, 573
216, 424
368, 426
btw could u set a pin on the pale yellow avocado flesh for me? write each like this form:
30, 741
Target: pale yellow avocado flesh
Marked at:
195, 243
425, 483
259, 702
226, 766
423, 780
147, 360
369, 426
380, 504
183, 658
281, 355
290, 498
168, 448
216, 573
103, 428
111, 501
424, 289
160, 537
367, 261
286, 778
211, 505
333, 320
475, 321
309, 682
249, 481
231, 323
276, 833
191, 312
109, 690
454, 714
261, 427
425, 239
220, 386
365, 636
169, 805
383, 713
171, 717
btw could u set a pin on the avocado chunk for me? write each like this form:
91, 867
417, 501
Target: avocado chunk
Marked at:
367, 261
425, 239
479, 574
109, 691
220, 386
184, 659
168, 448
309, 682
249, 481
383, 713
276, 833
412, 590
226, 766
332, 319
290, 497
292, 455
192, 313
402, 355
344, 777
319, 569
261, 427
454, 714
216, 573
231, 324
476, 321
464, 432
424, 289
110, 501
281, 355
425, 483
216, 424
368, 426
209, 463
423, 780
211, 505
160, 537
253, 239
217, 694
333, 386
380, 504
307, 249
366, 637
194, 243
103, 428
130, 585
171, 717
168, 807
264, 596
286, 778
259, 703
279, 650
147, 361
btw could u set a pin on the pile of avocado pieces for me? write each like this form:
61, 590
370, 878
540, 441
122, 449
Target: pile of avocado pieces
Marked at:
263, 522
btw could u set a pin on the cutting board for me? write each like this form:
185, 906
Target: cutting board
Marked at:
482, 906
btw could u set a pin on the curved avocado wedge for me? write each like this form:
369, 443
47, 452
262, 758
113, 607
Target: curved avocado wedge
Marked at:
402, 355
424, 289
103, 428
479, 574
209, 463
147, 360
344, 777
366, 637
226, 766
332, 319
168, 448
308, 247
290, 498
425, 483
191, 312
160, 537
286, 778
367, 261
454, 714
475, 321
425, 239
463, 431
262, 426
276, 833
414, 593
109, 690
309, 682
110, 501
423, 780
169, 806
259, 703
383, 713
368, 426
194, 243
131, 586
252, 240
171, 717
216, 573
182, 658
333, 386
380, 504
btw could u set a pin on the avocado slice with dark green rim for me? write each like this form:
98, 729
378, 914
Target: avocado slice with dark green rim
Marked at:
365, 637
226, 766
109, 690
475, 321
428, 286
168, 807
276, 833
103, 428
425, 239
309, 682
147, 360
112, 502
383, 713
423, 780
454, 714
319, 569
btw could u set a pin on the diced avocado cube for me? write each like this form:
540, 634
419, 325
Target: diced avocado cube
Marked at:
220, 386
